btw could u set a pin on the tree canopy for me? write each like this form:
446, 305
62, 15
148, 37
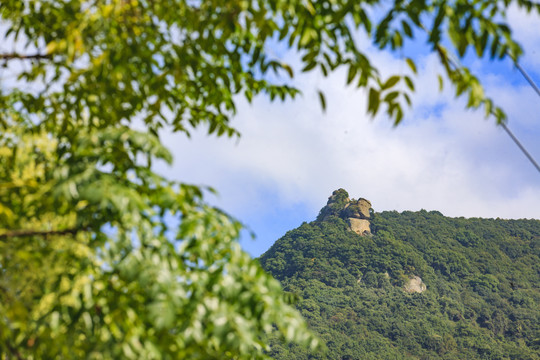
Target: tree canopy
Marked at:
479, 301
90, 264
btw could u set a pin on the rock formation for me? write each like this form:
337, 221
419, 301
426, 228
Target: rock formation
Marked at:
358, 209
415, 285
359, 226
355, 212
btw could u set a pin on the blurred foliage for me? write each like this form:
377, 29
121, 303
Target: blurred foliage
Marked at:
91, 261
95, 270
481, 302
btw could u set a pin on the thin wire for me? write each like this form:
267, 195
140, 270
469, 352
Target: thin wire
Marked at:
535, 87
531, 159
527, 77
512, 136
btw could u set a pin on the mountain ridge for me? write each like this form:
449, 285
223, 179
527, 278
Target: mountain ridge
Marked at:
482, 279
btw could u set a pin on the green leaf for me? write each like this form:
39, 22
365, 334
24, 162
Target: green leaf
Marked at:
390, 82
324, 70
352, 73
390, 97
309, 7
481, 43
409, 82
399, 116
406, 28
411, 64
309, 66
322, 100
407, 99
488, 108
373, 101
288, 69
397, 41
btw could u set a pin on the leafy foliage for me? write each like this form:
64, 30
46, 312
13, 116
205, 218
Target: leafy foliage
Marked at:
336, 203
482, 278
91, 270
183, 67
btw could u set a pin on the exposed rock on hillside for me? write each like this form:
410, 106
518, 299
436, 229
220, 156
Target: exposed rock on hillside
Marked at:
359, 226
355, 212
358, 209
338, 201
415, 285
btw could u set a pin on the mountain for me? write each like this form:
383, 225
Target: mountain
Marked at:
411, 285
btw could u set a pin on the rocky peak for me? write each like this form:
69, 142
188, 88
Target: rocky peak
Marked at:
356, 212
358, 209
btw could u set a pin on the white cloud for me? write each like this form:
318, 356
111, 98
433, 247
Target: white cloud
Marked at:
525, 28
441, 158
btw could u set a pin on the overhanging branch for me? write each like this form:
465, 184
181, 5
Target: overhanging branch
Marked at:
27, 233
24, 57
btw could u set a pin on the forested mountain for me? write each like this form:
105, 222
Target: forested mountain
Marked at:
418, 285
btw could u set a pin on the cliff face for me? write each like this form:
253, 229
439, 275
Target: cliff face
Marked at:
359, 226
355, 212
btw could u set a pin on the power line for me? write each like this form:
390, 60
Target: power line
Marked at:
527, 77
512, 136
455, 64
518, 143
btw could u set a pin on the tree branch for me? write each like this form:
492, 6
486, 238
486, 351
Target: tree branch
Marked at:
24, 57
27, 233
14, 352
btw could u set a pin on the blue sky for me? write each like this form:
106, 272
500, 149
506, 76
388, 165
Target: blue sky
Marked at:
291, 156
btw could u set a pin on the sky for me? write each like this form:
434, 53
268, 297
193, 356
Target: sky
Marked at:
291, 155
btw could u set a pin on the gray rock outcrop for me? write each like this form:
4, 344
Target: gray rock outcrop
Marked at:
415, 285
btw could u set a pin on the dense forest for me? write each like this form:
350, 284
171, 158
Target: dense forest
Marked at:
481, 277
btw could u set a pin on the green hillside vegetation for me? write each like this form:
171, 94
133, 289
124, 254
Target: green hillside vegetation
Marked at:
482, 277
